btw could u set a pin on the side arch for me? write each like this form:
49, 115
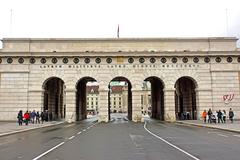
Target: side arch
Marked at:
186, 98
54, 106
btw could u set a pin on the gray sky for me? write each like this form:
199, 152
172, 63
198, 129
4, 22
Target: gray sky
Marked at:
137, 18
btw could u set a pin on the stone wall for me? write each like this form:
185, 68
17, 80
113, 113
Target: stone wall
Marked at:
21, 84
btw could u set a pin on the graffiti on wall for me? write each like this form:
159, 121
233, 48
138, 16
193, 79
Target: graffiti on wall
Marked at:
227, 98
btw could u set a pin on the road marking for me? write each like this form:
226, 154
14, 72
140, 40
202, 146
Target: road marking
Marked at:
190, 155
222, 135
79, 132
84, 130
43, 154
88, 127
71, 137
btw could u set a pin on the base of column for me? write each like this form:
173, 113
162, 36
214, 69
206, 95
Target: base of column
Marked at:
102, 118
170, 117
137, 117
70, 118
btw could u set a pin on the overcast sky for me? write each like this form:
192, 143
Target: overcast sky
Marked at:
136, 18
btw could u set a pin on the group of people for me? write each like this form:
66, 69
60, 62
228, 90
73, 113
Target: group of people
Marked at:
220, 116
32, 117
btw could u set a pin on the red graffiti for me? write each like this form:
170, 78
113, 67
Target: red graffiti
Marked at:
228, 97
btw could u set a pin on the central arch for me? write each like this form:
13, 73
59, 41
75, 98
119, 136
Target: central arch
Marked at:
120, 97
155, 103
84, 91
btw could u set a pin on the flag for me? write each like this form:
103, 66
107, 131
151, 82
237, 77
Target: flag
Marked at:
118, 32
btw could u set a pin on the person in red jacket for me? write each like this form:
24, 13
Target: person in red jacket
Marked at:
26, 117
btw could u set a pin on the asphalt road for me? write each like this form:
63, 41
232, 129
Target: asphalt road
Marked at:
121, 140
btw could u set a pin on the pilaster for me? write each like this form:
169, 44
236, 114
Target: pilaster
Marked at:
103, 106
169, 105
136, 106
70, 105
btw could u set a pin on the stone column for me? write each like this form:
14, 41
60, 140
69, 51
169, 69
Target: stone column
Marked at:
136, 106
70, 105
169, 105
103, 106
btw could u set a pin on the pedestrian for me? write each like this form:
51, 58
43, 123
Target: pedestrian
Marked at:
224, 116
46, 115
20, 118
42, 116
37, 117
33, 115
209, 115
204, 116
26, 117
231, 115
219, 115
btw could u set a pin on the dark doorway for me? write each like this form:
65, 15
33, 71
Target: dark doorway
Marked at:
53, 99
185, 99
156, 98
120, 99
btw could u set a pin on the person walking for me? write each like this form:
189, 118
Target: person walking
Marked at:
42, 117
33, 115
219, 115
204, 116
20, 118
231, 115
26, 117
224, 116
209, 115
37, 118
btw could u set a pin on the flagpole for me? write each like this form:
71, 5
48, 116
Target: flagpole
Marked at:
118, 31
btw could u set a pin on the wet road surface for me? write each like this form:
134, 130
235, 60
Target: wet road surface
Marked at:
121, 140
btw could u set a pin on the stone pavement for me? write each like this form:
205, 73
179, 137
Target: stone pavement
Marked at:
7, 128
233, 127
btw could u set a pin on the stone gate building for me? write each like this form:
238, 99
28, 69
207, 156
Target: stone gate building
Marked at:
187, 75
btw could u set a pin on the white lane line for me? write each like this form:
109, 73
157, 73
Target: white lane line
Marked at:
88, 127
237, 135
222, 135
43, 154
190, 155
71, 137
84, 130
79, 132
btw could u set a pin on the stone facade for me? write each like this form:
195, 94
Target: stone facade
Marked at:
211, 64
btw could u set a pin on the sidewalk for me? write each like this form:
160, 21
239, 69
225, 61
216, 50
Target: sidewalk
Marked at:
233, 127
7, 128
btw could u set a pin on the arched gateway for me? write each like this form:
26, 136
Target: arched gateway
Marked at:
163, 78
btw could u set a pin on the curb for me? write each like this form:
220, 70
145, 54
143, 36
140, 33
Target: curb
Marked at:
213, 127
29, 129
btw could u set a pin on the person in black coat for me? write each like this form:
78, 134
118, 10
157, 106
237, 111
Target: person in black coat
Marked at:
219, 115
20, 118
